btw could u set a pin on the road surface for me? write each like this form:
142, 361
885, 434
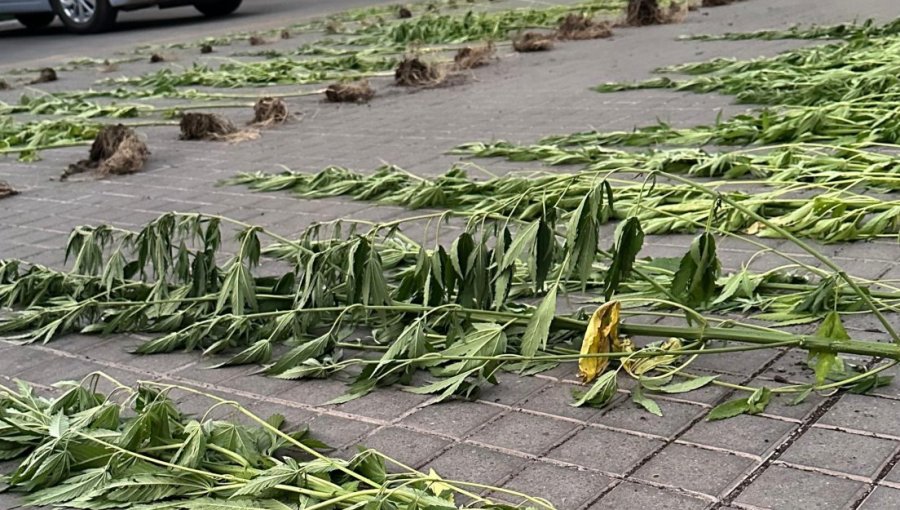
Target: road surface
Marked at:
19, 46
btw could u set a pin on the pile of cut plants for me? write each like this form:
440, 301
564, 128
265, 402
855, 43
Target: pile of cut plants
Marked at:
132, 447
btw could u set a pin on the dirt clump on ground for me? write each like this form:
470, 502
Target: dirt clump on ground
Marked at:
578, 27
157, 58
404, 13
205, 126
206, 48
4, 85
6, 190
471, 57
214, 128
715, 3
256, 40
413, 71
268, 111
45, 75
350, 92
116, 150
648, 12
285, 34
533, 41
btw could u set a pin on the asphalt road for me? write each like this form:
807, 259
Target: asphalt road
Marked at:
19, 46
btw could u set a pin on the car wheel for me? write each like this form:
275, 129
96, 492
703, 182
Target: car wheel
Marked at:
36, 19
85, 16
214, 8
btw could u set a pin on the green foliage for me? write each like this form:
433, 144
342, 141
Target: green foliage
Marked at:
832, 216
88, 450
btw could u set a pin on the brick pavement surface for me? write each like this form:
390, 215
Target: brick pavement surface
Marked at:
832, 452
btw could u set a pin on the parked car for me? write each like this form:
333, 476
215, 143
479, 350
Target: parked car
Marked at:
88, 16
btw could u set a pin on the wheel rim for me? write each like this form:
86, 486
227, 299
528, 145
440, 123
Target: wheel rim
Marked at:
79, 11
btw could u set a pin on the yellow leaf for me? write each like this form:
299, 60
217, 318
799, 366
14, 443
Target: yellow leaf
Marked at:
754, 228
639, 366
601, 336
439, 488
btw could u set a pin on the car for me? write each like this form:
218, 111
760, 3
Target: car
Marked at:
90, 16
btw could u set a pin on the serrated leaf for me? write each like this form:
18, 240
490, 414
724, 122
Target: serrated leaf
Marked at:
728, 409
538, 329
688, 385
600, 394
629, 241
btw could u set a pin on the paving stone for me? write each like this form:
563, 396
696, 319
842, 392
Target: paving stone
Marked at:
676, 416
749, 434
475, 464
119, 350
262, 384
205, 373
512, 389
696, 469
524, 432
791, 489
555, 399
633, 496
384, 404
605, 450
866, 413
838, 451
410, 448
51, 370
882, 498
894, 474
746, 363
455, 418
339, 432
314, 392
21, 359
566, 488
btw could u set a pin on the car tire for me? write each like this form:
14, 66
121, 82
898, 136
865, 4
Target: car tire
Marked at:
215, 8
36, 19
76, 15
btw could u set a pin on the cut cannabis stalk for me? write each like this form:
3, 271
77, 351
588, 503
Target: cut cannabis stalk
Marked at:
450, 310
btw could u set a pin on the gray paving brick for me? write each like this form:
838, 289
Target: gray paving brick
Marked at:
865, 413
747, 363
555, 399
311, 392
410, 448
882, 498
838, 451
454, 418
633, 496
475, 464
749, 434
339, 432
512, 389
696, 469
524, 432
566, 488
386, 404
676, 416
19, 360
792, 489
893, 475
620, 452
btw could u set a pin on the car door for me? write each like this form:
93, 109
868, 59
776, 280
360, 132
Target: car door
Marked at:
24, 6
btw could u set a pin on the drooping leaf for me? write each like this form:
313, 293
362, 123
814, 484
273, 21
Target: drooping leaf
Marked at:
601, 336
